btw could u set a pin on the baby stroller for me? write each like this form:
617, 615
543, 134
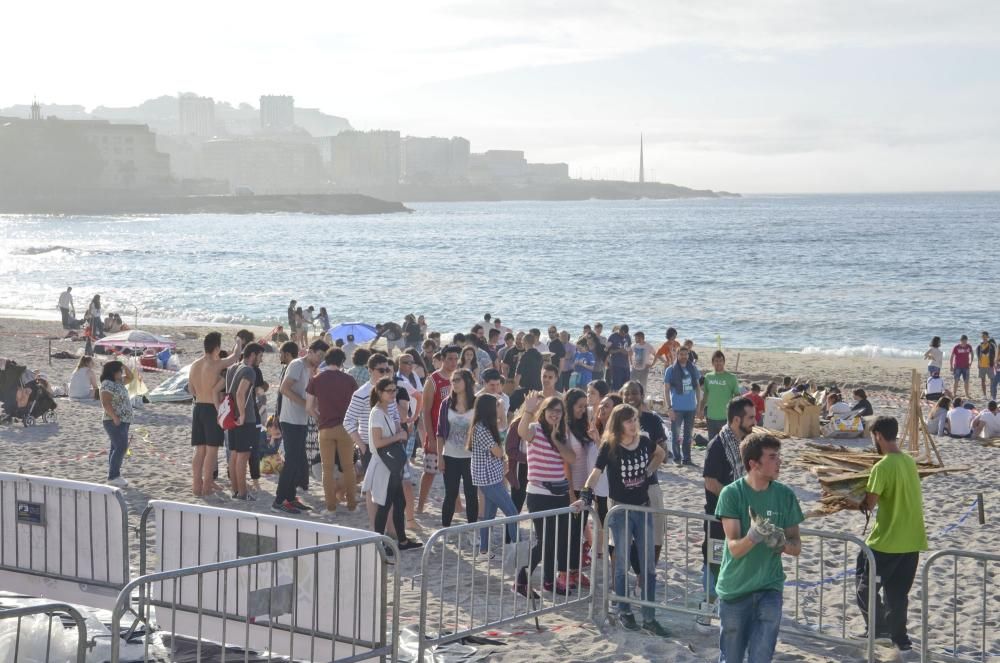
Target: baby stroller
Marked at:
23, 397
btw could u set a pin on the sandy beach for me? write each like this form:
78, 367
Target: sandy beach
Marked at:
159, 468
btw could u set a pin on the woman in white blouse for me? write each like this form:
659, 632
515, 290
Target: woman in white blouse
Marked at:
387, 485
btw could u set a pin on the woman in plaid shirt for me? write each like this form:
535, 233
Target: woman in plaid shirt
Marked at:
488, 466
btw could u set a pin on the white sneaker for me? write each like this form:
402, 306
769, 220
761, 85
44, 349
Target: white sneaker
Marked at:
118, 482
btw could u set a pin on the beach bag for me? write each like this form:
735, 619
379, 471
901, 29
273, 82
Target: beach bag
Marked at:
227, 408
516, 555
393, 456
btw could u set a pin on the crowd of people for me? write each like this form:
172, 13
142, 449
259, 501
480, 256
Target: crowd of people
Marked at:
512, 422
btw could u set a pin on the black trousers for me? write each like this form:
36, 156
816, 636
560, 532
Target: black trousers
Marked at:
895, 573
394, 500
293, 437
459, 470
550, 536
519, 494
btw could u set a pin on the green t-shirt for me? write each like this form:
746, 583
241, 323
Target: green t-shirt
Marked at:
899, 522
760, 568
720, 388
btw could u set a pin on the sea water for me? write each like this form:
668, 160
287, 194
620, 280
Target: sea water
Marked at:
847, 274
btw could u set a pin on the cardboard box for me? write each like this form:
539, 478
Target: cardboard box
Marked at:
774, 416
804, 423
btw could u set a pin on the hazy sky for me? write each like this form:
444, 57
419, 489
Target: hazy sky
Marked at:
763, 96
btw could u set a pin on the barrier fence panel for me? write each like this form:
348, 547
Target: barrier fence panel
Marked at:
313, 603
822, 582
464, 592
964, 625
354, 604
28, 644
63, 540
819, 598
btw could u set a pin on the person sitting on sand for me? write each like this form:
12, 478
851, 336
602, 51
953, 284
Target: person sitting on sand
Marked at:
987, 423
279, 335
83, 383
937, 419
862, 406
935, 386
960, 420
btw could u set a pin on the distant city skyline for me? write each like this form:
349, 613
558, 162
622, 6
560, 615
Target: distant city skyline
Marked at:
767, 96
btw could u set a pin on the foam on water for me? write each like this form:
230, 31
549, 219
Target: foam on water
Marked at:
862, 351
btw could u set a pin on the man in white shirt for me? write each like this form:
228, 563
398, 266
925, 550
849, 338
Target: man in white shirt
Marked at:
959, 420
987, 424
67, 309
641, 358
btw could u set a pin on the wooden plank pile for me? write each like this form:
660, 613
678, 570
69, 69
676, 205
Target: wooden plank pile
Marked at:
843, 474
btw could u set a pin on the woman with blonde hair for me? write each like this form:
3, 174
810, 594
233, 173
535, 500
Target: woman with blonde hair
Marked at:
83, 383
630, 459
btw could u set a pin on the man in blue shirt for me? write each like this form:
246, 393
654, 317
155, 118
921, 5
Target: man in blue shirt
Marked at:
682, 396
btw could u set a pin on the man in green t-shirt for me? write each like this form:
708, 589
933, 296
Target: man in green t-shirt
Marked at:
897, 537
760, 517
720, 388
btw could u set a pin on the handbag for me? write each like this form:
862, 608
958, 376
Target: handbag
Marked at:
516, 555
393, 455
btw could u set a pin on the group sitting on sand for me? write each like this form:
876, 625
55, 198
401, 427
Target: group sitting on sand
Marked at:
511, 420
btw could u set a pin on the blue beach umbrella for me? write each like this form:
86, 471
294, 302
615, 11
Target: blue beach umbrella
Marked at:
360, 330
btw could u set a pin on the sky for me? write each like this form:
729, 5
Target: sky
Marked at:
771, 96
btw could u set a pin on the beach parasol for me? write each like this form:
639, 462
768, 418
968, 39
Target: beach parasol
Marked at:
361, 331
136, 338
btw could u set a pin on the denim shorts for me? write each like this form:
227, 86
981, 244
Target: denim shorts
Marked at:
961, 374
986, 372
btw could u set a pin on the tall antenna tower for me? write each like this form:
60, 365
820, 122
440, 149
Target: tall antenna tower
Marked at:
642, 170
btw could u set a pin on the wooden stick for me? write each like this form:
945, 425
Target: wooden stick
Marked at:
982, 509
737, 369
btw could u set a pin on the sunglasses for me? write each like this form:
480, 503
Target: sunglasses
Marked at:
383, 370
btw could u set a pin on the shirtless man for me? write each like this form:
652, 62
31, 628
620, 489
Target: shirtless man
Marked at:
205, 383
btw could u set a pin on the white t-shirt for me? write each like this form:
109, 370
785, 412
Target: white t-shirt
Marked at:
960, 421
991, 421
298, 372
840, 409
936, 357
377, 477
80, 385
935, 386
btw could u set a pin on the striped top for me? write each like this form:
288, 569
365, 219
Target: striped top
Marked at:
544, 462
356, 418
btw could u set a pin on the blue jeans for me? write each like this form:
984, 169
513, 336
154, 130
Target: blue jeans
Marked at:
118, 435
994, 383
687, 420
628, 528
749, 627
496, 497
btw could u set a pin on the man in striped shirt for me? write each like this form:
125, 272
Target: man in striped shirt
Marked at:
356, 418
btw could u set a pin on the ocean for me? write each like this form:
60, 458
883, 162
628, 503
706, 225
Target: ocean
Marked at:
837, 274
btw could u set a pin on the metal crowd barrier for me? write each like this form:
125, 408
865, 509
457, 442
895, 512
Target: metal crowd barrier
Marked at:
969, 639
46, 609
258, 606
63, 540
682, 584
473, 593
